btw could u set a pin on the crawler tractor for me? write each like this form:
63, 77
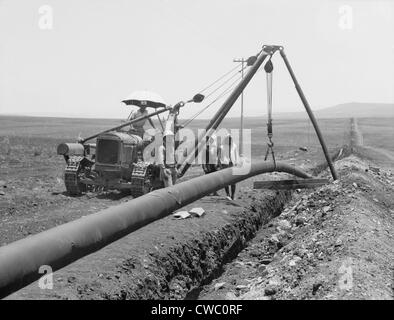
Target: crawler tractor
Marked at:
115, 161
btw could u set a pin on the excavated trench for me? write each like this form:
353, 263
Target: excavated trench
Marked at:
257, 215
180, 270
227, 242
194, 258
183, 265
168, 260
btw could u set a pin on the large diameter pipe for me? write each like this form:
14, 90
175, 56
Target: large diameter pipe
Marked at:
57, 247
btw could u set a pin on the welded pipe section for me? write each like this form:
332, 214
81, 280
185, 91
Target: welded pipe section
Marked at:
57, 247
310, 114
222, 112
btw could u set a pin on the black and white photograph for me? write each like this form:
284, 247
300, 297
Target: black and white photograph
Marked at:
205, 156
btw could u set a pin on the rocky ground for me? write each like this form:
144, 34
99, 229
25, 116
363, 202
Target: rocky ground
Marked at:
335, 242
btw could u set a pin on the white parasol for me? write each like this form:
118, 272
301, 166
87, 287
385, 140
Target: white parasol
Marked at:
145, 98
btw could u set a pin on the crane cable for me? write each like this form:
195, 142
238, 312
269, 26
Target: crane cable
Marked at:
270, 144
220, 95
227, 90
220, 78
221, 86
228, 72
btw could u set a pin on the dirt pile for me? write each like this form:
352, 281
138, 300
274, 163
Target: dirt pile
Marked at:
333, 243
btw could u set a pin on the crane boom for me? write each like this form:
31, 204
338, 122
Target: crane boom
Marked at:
222, 112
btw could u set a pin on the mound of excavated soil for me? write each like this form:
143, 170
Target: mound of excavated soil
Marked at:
335, 242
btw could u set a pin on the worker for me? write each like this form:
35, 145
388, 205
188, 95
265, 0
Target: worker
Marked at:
228, 157
166, 162
138, 127
165, 173
211, 157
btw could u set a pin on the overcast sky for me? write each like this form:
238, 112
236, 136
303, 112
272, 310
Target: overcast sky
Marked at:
99, 51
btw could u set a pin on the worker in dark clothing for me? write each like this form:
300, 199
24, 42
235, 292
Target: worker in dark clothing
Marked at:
228, 157
211, 157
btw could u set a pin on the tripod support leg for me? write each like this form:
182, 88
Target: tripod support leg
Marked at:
311, 115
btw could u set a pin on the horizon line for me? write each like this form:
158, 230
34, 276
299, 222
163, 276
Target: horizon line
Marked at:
74, 116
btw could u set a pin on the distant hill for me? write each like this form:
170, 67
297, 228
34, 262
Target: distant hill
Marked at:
347, 110
359, 110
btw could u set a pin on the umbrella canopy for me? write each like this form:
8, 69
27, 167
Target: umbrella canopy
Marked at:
145, 98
